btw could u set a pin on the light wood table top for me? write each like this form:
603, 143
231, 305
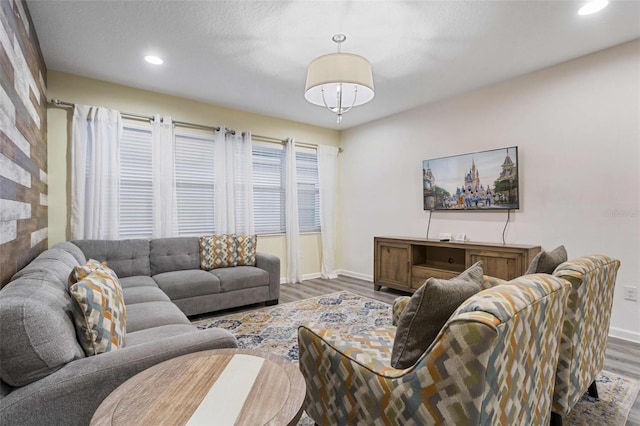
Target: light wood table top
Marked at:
217, 387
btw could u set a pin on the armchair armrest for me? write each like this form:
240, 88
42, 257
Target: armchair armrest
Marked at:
399, 305
345, 390
369, 348
330, 390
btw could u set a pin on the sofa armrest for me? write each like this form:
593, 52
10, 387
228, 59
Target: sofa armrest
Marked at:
271, 264
72, 394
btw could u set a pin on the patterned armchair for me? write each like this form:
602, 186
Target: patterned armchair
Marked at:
492, 363
585, 329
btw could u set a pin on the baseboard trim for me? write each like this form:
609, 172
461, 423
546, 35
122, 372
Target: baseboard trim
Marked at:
304, 277
621, 333
355, 275
311, 276
346, 273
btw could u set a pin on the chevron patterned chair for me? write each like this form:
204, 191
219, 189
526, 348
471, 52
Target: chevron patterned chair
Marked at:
585, 329
492, 363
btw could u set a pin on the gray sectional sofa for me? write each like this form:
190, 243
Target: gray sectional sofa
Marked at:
46, 378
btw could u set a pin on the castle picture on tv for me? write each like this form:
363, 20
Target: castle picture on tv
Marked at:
480, 181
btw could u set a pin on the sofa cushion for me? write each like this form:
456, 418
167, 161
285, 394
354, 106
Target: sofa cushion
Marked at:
181, 284
546, 262
142, 316
246, 249
73, 249
36, 328
126, 257
137, 281
101, 319
241, 277
174, 254
133, 295
428, 310
57, 262
158, 333
218, 251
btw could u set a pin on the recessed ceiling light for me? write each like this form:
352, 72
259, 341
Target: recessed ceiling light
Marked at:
153, 60
593, 7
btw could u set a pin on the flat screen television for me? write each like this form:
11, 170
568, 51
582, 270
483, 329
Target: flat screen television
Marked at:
480, 181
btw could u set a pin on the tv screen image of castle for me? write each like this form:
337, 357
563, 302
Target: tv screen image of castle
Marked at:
486, 180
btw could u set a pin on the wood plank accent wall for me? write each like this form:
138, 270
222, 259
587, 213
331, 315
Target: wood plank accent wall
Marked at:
23, 141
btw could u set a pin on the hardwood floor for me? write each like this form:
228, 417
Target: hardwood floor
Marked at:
622, 356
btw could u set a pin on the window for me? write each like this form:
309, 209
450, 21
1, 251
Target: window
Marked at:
136, 195
269, 193
268, 188
195, 182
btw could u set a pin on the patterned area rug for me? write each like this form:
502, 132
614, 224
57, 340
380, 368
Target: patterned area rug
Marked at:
275, 329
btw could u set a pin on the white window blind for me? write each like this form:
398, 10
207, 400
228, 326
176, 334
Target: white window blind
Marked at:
308, 190
136, 195
268, 188
269, 194
195, 180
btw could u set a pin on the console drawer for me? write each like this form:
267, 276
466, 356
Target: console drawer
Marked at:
419, 275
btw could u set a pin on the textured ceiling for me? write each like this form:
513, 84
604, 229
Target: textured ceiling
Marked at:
252, 55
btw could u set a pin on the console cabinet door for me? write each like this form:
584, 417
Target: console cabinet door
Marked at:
498, 264
393, 264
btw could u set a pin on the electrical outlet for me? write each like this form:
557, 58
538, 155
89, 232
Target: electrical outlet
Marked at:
631, 293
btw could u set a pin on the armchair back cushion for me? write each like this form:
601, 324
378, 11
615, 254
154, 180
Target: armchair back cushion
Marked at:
585, 328
493, 362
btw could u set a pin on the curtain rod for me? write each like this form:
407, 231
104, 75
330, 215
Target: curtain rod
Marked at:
59, 103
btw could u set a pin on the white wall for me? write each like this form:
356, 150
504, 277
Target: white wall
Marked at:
577, 126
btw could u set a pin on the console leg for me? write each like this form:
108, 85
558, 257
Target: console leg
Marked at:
556, 419
593, 390
377, 287
271, 302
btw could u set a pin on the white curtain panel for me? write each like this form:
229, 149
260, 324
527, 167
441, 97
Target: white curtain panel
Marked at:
292, 226
234, 183
220, 214
243, 167
328, 183
165, 222
95, 172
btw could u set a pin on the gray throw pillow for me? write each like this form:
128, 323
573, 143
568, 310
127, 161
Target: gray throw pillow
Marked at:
428, 310
546, 262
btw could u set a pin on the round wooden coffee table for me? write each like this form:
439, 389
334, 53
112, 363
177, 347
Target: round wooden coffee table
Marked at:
217, 387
